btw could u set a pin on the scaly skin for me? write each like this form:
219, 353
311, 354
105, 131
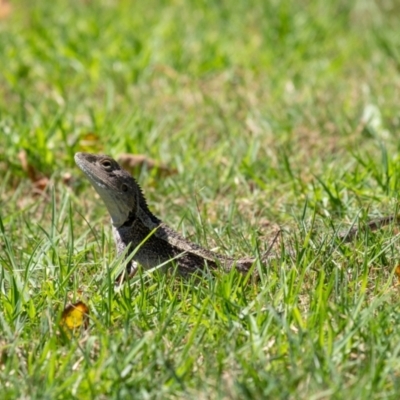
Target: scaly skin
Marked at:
133, 222
154, 242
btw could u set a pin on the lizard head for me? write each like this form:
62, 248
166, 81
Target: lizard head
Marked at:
116, 187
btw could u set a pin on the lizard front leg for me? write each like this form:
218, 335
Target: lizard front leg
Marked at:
131, 266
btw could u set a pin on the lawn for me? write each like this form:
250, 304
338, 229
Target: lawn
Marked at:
258, 115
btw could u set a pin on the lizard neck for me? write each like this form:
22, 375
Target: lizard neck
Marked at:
146, 217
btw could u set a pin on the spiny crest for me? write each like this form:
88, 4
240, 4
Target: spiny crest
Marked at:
143, 203
141, 198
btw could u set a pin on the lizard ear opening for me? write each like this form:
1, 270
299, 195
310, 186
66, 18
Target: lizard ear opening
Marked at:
124, 187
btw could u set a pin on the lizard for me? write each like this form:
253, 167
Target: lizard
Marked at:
136, 229
134, 225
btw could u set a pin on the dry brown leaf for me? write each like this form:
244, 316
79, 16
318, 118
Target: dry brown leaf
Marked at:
134, 162
5, 9
39, 181
41, 184
26, 166
397, 272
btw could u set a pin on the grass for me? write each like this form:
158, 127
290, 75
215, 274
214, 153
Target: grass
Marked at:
273, 113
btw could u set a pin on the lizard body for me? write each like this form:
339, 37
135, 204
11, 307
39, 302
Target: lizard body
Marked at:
155, 243
133, 222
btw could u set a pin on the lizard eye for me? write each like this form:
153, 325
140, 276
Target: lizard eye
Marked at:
106, 164
124, 187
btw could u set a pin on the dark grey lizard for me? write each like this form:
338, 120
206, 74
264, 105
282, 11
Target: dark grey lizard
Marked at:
133, 222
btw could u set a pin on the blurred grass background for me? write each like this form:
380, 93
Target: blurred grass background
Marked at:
272, 112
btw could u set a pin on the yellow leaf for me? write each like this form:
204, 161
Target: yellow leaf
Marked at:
75, 315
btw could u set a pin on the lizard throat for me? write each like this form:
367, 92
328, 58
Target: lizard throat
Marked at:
131, 219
